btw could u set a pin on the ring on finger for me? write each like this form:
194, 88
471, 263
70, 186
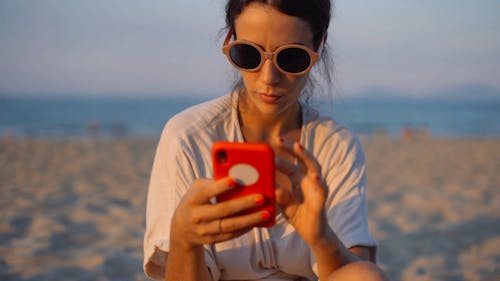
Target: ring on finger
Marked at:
220, 226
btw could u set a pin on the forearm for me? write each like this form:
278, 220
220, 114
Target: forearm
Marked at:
331, 254
186, 264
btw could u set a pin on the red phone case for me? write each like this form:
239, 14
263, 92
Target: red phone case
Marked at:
252, 166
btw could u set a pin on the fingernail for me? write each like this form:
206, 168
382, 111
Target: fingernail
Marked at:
232, 183
266, 215
259, 200
318, 178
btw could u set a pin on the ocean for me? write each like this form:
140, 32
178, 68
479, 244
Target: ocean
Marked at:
145, 117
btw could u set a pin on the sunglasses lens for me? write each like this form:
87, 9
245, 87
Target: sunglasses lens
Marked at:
293, 60
245, 56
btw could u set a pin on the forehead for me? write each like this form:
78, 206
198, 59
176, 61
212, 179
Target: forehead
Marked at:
266, 25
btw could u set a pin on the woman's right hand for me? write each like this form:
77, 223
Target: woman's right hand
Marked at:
197, 221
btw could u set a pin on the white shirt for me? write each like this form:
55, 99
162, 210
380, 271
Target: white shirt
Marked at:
278, 253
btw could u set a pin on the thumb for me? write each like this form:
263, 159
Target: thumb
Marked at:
283, 197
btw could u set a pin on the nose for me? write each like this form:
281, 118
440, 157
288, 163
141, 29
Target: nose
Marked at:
269, 73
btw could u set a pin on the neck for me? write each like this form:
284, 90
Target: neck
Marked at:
258, 127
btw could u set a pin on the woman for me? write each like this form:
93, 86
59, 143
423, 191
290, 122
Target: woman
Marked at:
321, 229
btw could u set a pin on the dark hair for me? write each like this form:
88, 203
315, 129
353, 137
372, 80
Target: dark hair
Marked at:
316, 13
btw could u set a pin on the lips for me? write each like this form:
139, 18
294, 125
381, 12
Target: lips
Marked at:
269, 98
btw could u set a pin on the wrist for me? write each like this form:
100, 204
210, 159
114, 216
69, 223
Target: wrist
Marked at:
180, 240
322, 236
185, 247
327, 240
186, 261
329, 244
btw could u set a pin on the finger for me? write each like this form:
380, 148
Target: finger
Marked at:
307, 158
282, 196
229, 208
285, 166
210, 188
238, 223
293, 172
226, 236
297, 150
211, 232
232, 224
285, 145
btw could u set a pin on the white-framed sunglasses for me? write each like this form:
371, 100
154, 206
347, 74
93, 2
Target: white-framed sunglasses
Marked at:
293, 59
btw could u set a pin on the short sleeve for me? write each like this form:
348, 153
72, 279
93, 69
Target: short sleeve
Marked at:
345, 175
171, 176
161, 203
346, 204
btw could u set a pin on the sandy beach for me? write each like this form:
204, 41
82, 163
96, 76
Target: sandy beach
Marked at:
74, 209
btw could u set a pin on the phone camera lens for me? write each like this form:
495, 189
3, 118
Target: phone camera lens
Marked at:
221, 156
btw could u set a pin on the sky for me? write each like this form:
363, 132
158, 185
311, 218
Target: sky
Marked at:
172, 47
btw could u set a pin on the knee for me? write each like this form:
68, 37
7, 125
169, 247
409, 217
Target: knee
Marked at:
362, 270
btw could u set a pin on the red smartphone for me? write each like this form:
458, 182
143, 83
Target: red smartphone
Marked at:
252, 166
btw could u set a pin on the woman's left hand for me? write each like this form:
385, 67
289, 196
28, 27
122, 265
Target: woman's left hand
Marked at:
302, 203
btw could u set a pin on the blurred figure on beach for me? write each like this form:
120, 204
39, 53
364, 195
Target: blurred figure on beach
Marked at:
410, 132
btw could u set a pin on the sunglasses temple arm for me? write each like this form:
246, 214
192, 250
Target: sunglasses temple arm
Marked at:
228, 37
